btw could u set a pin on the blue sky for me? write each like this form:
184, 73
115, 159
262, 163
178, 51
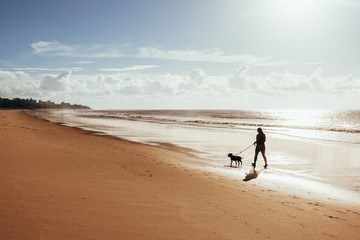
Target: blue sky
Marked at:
234, 54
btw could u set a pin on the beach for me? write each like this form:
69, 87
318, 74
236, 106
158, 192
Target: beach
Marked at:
58, 182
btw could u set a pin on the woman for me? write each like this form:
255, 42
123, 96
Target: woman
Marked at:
260, 147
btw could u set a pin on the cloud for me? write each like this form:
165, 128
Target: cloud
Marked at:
6, 75
160, 85
211, 55
126, 89
238, 79
286, 83
54, 83
315, 79
56, 48
51, 48
34, 69
83, 62
198, 76
17, 75
155, 87
198, 84
132, 68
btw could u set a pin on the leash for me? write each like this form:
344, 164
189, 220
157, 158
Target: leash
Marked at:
245, 149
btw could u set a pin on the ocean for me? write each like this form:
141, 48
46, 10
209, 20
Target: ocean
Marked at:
315, 151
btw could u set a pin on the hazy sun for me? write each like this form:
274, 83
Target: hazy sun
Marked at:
296, 9
296, 6
295, 16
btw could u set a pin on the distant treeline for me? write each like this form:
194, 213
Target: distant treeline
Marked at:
17, 103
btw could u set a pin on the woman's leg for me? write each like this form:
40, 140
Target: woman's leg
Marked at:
263, 154
255, 157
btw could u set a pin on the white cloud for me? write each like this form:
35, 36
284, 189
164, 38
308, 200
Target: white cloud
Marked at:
54, 83
156, 87
83, 62
56, 48
52, 48
33, 69
132, 68
84, 51
195, 89
285, 83
198, 76
130, 90
6, 75
315, 79
288, 84
238, 79
17, 75
211, 55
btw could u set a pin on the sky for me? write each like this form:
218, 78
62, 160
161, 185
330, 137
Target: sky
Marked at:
167, 54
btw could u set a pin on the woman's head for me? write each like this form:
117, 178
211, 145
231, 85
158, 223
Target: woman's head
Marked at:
260, 130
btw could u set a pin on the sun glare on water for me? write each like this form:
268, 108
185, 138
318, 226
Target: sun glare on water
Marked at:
301, 123
302, 118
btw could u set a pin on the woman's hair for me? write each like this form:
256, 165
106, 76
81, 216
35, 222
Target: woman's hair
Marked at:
260, 130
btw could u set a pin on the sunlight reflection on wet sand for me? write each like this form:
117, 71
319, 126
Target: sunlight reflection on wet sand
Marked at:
302, 166
297, 186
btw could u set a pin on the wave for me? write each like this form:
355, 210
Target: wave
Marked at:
332, 126
218, 122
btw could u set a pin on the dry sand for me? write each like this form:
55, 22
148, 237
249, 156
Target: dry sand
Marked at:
58, 182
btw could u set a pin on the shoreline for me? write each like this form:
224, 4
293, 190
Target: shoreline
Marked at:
298, 181
162, 145
61, 183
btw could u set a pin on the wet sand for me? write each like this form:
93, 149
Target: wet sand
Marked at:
58, 182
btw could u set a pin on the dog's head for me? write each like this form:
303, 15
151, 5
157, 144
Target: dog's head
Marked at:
230, 155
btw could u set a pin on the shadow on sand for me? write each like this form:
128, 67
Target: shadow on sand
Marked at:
233, 166
252, 175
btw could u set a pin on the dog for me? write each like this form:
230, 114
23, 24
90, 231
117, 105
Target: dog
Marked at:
236, 159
